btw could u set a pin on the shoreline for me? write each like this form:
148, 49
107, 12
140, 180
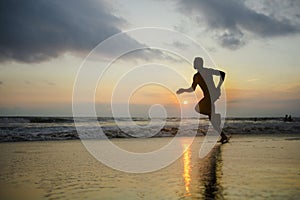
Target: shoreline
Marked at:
46, 129
291, 136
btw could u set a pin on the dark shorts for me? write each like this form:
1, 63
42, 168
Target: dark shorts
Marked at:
205, 106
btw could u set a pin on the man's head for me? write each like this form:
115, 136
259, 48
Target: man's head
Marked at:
198, 63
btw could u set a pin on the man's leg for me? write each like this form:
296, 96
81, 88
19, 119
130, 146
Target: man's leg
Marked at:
206, 108
203, 107
197, 109
216, 123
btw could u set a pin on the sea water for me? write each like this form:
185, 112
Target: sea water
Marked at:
63, 128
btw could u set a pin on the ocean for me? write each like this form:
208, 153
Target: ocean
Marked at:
13, 129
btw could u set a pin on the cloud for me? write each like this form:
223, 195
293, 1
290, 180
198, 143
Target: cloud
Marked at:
151, 55
1, 83
230, 20
180, 45
35, 31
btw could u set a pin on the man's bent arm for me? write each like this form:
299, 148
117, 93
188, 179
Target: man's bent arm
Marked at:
222, 77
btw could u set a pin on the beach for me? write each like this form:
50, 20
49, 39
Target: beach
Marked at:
249, 167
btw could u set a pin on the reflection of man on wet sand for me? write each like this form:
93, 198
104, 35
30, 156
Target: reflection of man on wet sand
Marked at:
206, 106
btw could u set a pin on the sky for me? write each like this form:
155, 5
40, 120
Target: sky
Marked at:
44, 45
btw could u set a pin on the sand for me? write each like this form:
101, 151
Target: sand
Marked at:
261, 167
248, 167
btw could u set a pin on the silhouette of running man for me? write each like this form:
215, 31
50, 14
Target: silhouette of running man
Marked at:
206, 106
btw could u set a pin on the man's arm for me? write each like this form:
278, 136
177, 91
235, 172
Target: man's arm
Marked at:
222, 78
218, 73
190, 89
182, 90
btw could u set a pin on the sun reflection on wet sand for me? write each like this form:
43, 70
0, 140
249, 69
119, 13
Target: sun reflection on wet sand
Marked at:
187, 168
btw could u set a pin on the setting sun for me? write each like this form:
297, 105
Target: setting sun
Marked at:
185, 102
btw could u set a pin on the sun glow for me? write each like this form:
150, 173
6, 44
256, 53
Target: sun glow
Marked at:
185, 102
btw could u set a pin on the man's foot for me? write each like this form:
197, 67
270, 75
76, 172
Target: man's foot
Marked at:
224, 139
200, 131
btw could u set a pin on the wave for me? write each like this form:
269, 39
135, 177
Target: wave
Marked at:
14, 129
36, 120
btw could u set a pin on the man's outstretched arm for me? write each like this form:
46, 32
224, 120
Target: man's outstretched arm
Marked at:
182, 90
190, 89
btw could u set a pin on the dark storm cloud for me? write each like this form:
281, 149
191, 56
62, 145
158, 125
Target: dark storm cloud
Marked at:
230, 20
34, 31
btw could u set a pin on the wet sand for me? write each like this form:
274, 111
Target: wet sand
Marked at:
65, 170
261, 167
247, 167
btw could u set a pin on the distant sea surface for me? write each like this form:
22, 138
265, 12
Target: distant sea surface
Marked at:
13, 129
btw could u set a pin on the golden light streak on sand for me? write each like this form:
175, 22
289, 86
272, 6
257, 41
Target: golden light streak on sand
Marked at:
187, 168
